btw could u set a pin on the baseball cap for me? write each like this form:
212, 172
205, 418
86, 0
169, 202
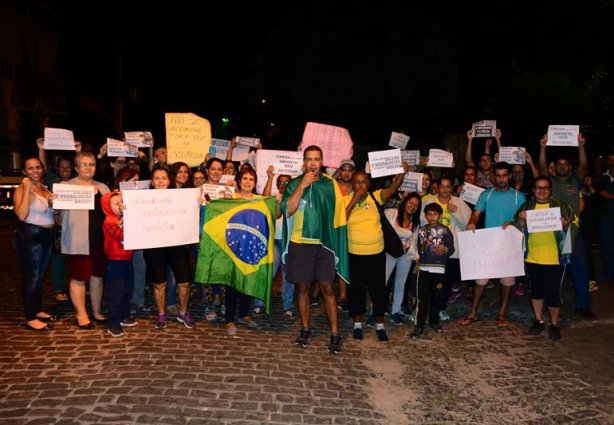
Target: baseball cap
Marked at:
345, 162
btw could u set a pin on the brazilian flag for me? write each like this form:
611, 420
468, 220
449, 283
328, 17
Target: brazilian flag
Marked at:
236, 248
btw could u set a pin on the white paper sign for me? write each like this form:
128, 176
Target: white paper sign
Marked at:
412, 182
512, 154
398, 140
285, 162
219, 149
140, 139
385, 163
248, 141
563, 135
117, 148
484, 128
470, 193
217, 191
59, 139
544, 220
411, 157
157, 218
73, 197
491, 253
440, 158
135, 185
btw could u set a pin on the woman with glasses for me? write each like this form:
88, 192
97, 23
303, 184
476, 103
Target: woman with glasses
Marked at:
83, 244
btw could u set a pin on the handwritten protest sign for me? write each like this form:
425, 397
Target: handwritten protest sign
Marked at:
563, 135
188, 137
412, 182
335, 142
219, 148
117, 148
398, 140
440, 158
470, 193
135, 185
411, 157
385, 163
59, 139
544, 220
157, 218
491, 253
484, 128
73, 197
140, 139
512, 154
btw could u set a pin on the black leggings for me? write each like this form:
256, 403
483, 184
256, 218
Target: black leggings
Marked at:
367, 272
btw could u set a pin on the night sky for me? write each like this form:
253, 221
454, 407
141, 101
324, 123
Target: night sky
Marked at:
373, 68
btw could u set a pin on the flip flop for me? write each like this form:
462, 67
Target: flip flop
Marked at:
502, 322
468, 319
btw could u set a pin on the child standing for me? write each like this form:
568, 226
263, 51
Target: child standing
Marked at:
435, 245
119, 270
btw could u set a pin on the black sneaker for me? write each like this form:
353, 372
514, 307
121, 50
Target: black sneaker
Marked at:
555, 332
335, 344
417, 333
116, 332
304, 338
437, 329
537, 328
396, 318
342, 305
357, 334
382, 336
586, 313
129, 322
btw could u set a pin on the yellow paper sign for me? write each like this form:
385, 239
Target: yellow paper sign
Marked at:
188, 137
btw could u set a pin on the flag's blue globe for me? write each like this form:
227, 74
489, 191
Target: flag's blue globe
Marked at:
247, 235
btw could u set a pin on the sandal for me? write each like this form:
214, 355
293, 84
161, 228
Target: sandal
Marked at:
468, 319
502, 322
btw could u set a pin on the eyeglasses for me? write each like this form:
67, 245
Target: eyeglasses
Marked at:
541, 187
87, 165
284, 183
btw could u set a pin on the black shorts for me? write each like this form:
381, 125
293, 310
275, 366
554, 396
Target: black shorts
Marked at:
175, 256
306, 263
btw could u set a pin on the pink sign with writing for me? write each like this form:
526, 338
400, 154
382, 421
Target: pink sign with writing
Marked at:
335, 142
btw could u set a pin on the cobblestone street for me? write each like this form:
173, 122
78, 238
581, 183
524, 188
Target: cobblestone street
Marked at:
477, 374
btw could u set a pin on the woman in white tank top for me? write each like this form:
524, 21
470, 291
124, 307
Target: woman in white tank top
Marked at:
33, 241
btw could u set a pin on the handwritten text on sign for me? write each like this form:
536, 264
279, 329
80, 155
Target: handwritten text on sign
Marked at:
73, 197
157, 218
188, 137
491, 253
385, 163
544, 220
59, 139
563, 135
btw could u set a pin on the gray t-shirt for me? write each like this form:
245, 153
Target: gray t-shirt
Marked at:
568, 189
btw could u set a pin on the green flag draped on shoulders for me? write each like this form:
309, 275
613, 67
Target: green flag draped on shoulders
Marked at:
321, 213
237, 244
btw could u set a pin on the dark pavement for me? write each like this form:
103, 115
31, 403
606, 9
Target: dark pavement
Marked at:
477, 374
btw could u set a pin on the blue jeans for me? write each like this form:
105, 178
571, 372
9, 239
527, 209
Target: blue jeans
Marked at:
403, 265
140, 274
578, 271
119, 283
33, 246
607, 248
287, 288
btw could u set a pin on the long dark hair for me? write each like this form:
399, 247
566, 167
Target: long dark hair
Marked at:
175, 167
414, 219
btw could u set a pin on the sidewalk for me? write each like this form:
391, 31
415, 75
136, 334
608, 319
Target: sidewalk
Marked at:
477, 374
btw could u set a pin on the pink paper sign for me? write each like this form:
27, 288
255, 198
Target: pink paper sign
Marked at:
335, 142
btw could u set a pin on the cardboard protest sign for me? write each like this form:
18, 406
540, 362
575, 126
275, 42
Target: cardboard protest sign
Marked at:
188, 138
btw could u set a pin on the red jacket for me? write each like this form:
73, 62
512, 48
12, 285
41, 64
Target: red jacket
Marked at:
113, 231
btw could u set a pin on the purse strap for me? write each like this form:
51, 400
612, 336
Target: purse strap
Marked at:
377, 204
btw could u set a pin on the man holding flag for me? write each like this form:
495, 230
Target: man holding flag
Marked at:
315, 241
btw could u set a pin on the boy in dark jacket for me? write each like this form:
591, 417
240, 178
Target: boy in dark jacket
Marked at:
119, 275
435, 245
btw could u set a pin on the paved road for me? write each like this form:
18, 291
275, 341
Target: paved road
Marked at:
477, 374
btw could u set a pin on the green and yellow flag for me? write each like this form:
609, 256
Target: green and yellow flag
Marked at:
236, 248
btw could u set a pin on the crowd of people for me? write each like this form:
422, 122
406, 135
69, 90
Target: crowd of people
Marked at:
329, 240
